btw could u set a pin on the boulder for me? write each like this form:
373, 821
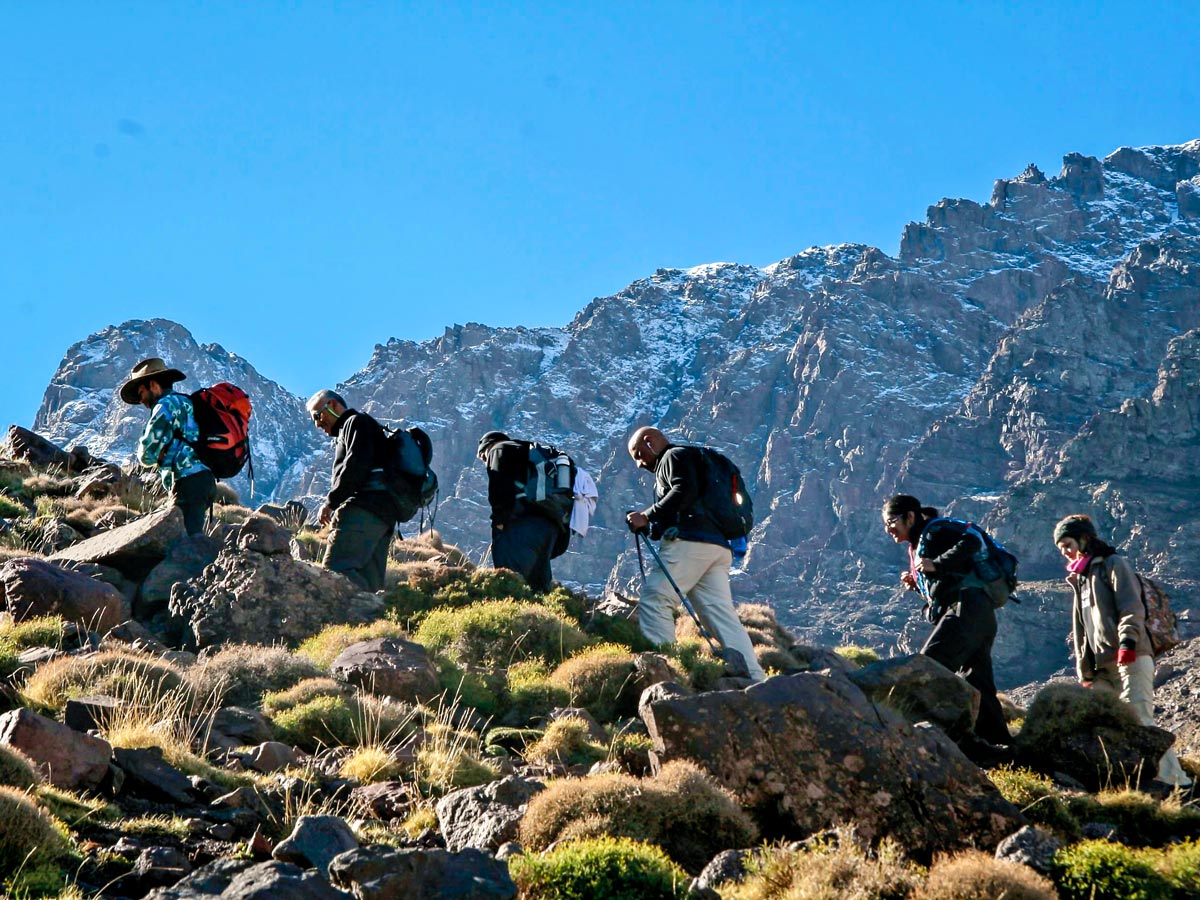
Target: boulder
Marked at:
270, 756
33, 587
250, 597
385, 800
134, 549
315, 841
186, 559
380, 873
807, 751
34, 449
160, 866
1031, 847
389, 666
921, 689
149, 776
291, 515
263, 534
239, 879
727, 866
87, 713
487, 816
1090, 736
238, 726
66, 758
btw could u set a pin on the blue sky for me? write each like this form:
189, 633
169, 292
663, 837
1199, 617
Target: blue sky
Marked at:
300, 181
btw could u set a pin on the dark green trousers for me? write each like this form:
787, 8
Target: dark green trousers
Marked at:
358, 546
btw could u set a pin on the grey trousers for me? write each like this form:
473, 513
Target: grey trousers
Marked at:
194, 496
524, 544
358, 546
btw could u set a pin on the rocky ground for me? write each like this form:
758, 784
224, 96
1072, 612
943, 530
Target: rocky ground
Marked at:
218, 715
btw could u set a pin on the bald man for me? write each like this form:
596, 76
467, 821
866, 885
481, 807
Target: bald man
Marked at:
693, 548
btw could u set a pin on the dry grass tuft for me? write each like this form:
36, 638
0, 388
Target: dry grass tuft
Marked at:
115, 673
598, 679
239, 674
974, 875
566, 742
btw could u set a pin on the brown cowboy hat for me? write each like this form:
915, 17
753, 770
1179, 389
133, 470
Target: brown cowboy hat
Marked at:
145, 370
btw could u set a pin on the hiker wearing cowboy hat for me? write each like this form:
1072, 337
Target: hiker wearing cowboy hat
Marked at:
167, 442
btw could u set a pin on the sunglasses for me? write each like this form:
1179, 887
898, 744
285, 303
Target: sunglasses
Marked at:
891, 520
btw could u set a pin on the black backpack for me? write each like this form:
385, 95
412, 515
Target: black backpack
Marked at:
725, 496
549, 485
406, 472
995, 566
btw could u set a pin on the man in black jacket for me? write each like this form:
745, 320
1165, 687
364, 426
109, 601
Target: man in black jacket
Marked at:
523, 538
693, 548
362, 511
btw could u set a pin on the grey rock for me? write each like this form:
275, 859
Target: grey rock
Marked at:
86, 713
805, 752
242, 597
244, 880
271, 756
487, 816
65, 758
149, 776
186, 559
33, 587
160, 866
726, 866
237, 726
315, 841
263, 534
1031, 846
133, 549
385, 800
921, 689
663, 690
389, 666
378, 873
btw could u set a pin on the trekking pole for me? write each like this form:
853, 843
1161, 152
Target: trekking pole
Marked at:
682, 599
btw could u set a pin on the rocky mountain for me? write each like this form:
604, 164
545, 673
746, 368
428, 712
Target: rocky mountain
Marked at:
1017, 360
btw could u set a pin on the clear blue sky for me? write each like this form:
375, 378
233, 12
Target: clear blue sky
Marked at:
299, 181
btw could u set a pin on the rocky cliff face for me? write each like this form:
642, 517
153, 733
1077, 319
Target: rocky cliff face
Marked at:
1018, 360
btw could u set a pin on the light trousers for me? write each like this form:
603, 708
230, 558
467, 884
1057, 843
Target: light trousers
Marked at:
702, 572
1134, 684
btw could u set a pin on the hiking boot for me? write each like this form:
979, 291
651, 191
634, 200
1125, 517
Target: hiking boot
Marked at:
985, 755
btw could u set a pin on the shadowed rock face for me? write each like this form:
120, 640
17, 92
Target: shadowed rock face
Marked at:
1015, 361
805, 752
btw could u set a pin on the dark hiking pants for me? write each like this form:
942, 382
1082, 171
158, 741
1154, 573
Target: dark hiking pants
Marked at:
194, 496
524, 545
962, 642
358, 546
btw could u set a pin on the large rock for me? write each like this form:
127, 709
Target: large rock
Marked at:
33, 587
240, 879
805, 752
149, 776
921, 689
487, 816
1091, 736
389, 666
380, 873
34, 449
186, 559
251, 597
315, 841
66, 758
134, 549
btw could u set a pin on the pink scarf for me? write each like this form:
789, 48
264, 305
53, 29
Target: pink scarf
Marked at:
1078, 565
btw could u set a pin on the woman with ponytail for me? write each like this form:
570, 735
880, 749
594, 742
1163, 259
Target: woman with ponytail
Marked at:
1108, 627
941, 568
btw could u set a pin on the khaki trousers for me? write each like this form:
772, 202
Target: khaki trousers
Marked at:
702, 572
1134, 684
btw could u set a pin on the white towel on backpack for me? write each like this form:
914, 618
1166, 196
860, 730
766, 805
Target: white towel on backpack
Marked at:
586, 496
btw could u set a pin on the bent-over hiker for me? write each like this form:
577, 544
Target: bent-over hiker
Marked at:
693, 548
524, 539
359, 505
164, 444
964, 620
1108, 627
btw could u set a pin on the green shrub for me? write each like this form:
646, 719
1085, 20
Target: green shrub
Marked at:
505, 741
835, 866
574, 605
1181, 865
323, 721
680, 809
500, 632
31, 845
117, 673
1099, 870
859, 655
1037, 797
1060, 710
616, 630
1140, 819
974, 875
566, 742
471, 688
239, 674
42, 631
598, 679
529, 693
10, 508
16, 769
326, 645
275, 702
602, 868
697, 662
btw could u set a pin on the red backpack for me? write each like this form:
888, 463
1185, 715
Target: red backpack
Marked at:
223, 417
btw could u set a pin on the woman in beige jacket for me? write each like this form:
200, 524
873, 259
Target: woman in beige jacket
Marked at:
1108, 633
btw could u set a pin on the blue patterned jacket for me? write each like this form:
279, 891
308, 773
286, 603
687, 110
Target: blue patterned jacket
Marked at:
159, 445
